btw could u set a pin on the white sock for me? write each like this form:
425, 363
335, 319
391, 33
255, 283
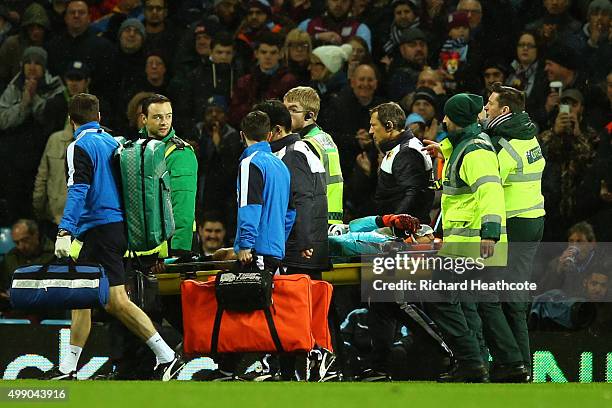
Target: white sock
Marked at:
162, 351
69, 364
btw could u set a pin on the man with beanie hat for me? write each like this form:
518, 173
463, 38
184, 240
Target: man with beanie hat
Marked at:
131, 59
562, 63
24, 126
34, 31
405, 17
257, 22
473, 220
405, 69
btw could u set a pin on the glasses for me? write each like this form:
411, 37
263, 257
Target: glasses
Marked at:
299, 46
525, 45
294, 111
315, 63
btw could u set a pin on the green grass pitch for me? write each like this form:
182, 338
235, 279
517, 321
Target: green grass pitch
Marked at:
174, 394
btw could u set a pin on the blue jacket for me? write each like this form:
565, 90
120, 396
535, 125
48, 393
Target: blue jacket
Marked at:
265, 216
93, 192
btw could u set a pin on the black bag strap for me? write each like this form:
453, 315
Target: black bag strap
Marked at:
273, 332
214, 341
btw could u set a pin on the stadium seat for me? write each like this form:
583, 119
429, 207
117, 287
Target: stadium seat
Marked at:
56, 322
14, 321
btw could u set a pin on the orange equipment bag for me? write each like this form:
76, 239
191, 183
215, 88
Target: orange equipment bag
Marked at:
284, 327
321, 300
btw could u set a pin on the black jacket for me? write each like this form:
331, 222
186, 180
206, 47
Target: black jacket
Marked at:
404, 179
310, 199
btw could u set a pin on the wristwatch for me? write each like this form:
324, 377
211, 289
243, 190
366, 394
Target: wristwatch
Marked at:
62, 232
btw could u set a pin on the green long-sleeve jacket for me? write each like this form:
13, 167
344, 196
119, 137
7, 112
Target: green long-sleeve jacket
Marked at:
472, 196
182, 164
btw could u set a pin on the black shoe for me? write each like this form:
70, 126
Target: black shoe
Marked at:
459, 373
323, 367
370, 375
56, 375
218, 375
510, 373
167, 371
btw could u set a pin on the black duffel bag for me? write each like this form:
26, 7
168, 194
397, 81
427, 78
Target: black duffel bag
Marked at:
244, 287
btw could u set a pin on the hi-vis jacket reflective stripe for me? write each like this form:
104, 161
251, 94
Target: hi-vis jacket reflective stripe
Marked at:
521, 164
328, 153
472, 197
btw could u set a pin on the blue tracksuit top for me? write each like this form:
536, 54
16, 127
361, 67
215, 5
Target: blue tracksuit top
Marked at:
265, 214
93, 192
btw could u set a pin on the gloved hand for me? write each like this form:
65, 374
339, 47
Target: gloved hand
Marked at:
403, 222
62, 246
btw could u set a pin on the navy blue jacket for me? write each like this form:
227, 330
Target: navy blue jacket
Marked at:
264, 217
93, 192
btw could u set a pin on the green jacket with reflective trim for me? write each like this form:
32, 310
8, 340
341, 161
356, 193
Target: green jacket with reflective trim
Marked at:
182, 165
521, 164
327, 151
472, 196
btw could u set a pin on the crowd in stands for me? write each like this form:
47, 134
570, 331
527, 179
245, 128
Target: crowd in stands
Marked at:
215, 59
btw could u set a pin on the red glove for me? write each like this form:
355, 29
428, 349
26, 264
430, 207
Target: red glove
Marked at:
404, 222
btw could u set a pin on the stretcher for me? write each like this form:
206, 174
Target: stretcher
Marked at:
342, 273
170, 282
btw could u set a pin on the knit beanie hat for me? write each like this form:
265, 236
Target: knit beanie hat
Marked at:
332, 56
463, 109
35, 54
263, 5
458, 19
132, 22
563, 55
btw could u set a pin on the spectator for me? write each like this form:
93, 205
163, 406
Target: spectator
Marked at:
79, 42
257, 22
347, 117
77, 79
595, 39
417, 125
426, 103
131, 130
212, 80
568, 271
267, 80
360, 55
527, 74
194, 47
5, 24
557, 15
211, 233
570, 189
459, 57
162, 36
55, 11
219, 151
326, 70
228, 12
405, 69
405, 17
336, 26
561, 64
493, 70
33, 32
595, 286
22, 106
298, 47
49, 196
154, 79
491, 24
30, 248
108, 25
130, 59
